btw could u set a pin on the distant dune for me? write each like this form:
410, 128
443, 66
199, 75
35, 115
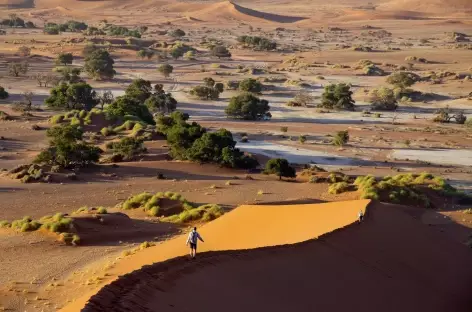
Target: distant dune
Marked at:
430, 6
230, 10
390, 262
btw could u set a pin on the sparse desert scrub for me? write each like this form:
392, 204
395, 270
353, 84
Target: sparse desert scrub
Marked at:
340, 138
203, 213
407, 188
338, 188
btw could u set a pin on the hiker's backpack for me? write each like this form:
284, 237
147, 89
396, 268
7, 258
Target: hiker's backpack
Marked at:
193, 237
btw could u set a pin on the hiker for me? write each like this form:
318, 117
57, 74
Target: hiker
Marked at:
360, 215
193, 238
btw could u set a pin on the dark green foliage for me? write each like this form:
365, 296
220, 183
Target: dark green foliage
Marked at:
258, 43
161, 102
3, 93
13, 21
66, 150
145, 53
99, 65
205, 93
220, 51
127, 148
403, 80
247, 106
69, 74
72, 96
64, 59
114, 30
165, 69
125, 105
139, 89
280, 167
94, 31
250, 85
337, 96
192, 142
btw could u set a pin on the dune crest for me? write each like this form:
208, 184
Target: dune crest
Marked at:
231, 10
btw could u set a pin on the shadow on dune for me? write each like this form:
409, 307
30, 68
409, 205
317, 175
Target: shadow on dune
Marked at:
390, 262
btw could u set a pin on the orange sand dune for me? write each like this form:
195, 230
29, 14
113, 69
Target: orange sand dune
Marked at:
253, 227
390, 262
432, 6
230, 10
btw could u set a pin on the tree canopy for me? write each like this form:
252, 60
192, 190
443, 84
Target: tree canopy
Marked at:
99, 65
66, 148
337, 96
280, 167
247, 106
72, 96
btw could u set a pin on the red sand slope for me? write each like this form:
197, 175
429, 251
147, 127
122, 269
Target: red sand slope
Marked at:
254, 226
391, 262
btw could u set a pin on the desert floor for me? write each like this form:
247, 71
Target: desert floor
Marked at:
37, 273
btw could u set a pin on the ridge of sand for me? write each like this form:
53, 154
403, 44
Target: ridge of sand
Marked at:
253, 226
231, 10
390, 262
429, 6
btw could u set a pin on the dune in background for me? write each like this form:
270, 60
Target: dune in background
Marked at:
429, 6
390, 262
248, 227
230, 10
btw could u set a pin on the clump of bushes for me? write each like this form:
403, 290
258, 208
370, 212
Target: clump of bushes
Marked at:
58, 223
209, 91
258, 43
193, 142
29, 174
338, 188
128, 148
185, 212
443, 115
204, 213
66, 148
247, 106
383, 99
337, 96
407, 188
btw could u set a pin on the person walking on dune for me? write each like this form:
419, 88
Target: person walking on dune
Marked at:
192, 239
360, 215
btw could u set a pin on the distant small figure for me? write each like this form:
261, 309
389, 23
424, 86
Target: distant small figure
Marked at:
193, 238
360, 215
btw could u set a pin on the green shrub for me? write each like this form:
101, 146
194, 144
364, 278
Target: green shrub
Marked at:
338, 188
341, 138
136, 201
316, 179
337, 96
56, 119
5, 224
102, 210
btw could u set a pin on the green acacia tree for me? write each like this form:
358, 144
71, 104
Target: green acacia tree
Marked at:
64, 59
99, 65
72, 96
280, 167
337, 96
247, 106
